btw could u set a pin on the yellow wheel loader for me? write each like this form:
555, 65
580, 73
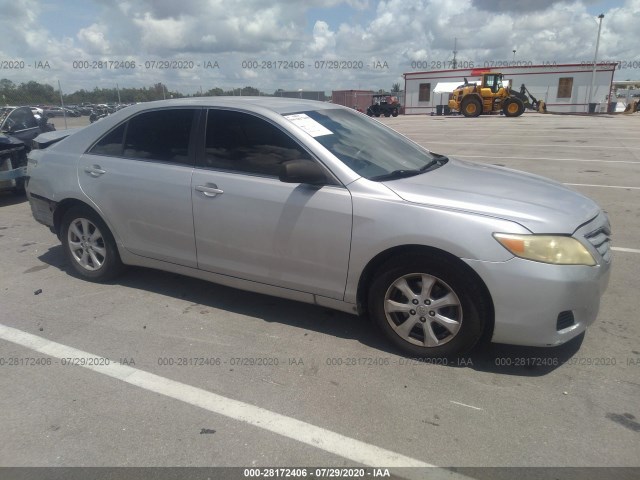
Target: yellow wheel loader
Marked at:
632, 107
492, 96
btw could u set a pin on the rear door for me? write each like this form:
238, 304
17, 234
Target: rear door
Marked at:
139, 176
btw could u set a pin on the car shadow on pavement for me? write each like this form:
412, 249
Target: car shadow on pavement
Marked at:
486, 357
10, 198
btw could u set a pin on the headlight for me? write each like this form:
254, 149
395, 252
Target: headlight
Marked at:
554, 249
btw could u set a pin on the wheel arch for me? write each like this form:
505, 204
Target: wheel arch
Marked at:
469, 96
372, 269
65, 205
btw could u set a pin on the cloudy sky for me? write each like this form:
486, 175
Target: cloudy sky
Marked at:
294, 44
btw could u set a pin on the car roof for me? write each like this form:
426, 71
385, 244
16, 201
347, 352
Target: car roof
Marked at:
266, 106
273, 108
279, 105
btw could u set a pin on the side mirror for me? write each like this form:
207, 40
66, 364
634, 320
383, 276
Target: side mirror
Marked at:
302, 171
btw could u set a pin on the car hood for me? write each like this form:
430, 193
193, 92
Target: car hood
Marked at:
537, 203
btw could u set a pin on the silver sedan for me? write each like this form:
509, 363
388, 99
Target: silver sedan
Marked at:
321, 204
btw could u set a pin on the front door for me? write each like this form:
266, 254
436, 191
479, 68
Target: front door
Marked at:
250, 225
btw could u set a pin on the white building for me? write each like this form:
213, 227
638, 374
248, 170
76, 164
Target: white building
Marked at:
564, 88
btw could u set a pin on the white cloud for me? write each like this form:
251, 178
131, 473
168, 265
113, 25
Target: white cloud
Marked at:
323, 37
93, 39
395, 32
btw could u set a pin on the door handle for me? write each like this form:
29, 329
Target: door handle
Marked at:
94, 170
209, 190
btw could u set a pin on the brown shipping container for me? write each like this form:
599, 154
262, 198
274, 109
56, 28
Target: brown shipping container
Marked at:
358, 99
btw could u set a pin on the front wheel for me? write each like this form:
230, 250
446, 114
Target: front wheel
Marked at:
513, 107
427, 306
471, 107
89, 245
395, 112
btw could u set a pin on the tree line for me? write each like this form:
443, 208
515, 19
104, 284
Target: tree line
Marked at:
35, 93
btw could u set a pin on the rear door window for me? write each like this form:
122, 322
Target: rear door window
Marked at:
160, 135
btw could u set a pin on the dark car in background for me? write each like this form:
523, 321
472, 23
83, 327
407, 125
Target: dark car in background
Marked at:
21, 123
18, 127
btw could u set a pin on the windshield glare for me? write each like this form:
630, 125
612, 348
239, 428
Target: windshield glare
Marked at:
365, 145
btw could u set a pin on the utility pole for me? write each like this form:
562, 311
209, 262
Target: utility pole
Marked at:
455, 52
64, 112
595, 60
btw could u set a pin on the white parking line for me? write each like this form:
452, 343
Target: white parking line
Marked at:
318, 437
520, 145
564, 137
601, 186
547, 158
465, 405
627, 250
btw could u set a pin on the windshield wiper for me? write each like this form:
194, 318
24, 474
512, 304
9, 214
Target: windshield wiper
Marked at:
438, 161
396, 174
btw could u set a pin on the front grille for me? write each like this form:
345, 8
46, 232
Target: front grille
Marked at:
601, 240
565, 320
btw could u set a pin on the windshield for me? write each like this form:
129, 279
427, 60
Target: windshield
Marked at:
369, 148
4, 113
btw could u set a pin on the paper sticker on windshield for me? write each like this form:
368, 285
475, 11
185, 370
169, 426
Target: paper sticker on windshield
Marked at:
308, 124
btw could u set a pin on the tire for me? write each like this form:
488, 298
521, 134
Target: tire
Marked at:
89, 245
369, 112
448, 319
471, 107
394, 113
513, 107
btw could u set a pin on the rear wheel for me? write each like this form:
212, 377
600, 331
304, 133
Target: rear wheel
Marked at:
427, 306
513, 107
471, 107
394, 113
89, 245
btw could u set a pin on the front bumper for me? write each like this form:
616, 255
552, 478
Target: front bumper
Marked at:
529, 296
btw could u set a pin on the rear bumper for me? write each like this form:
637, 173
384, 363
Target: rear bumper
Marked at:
42, 209
529, 296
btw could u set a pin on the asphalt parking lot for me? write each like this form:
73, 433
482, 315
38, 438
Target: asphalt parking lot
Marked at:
342, 395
